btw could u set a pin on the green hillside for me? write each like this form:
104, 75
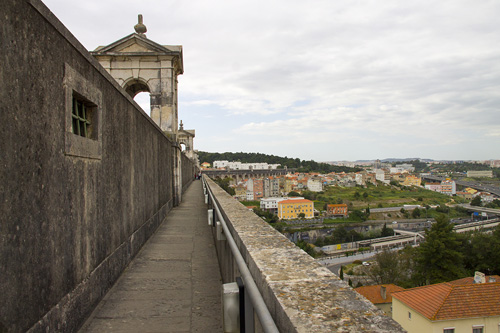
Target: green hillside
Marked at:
291, 163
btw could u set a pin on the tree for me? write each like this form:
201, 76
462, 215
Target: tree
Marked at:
385, 268
439, 258
341, 275
476, 201
293, 194
482, 252
386, 232
302, 215
357, 215
365, 195
339, 234
356, 195
416, 213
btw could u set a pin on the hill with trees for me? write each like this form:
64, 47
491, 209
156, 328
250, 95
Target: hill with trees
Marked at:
291, 163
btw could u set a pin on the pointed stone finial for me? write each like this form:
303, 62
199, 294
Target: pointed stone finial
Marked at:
140, 28
181, 126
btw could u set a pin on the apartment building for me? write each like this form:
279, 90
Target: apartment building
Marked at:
315, 184
255, 188
291, 209
383, 176
337, 210
271, 187
436, 187
411, 180
448, 187
271, 204
240, 191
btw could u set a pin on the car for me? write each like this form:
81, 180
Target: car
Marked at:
366, 263
394, 222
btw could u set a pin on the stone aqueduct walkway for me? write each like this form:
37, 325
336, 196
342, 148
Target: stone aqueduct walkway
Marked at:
174, 284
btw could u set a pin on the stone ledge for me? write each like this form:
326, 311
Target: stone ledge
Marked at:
301, 294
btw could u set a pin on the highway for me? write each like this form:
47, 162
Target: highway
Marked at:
475, 185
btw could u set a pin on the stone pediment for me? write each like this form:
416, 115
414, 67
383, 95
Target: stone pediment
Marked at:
137, 43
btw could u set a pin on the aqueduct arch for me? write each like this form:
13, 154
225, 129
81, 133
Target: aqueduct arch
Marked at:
133, 86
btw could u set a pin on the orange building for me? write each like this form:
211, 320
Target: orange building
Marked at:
336, 210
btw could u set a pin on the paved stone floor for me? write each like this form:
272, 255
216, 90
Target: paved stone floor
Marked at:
173, 284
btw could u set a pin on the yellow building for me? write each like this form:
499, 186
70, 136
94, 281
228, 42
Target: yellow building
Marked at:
470, 190
240, 192
291, 208
411, 180
450, 307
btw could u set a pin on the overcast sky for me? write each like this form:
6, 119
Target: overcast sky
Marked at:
324, 80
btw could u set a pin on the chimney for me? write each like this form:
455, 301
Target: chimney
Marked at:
479, 277
383, 292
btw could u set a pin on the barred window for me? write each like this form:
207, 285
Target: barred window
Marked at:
83, 112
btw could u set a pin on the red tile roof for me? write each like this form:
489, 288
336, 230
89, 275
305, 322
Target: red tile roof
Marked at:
453, 300
292, 201
470, 280
373, 294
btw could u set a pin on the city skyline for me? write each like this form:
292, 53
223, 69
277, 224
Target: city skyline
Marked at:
320, 80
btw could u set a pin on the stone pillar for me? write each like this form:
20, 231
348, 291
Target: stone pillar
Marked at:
177, 174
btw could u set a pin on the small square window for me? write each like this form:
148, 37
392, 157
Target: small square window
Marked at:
83, 114
449, 330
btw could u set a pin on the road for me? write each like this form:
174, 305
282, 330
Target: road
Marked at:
476, 185
334, 264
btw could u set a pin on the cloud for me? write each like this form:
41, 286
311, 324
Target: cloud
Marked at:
357, 73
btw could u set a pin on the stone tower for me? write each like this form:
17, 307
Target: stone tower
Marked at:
138, 64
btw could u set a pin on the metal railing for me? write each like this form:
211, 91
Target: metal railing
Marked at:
254, 301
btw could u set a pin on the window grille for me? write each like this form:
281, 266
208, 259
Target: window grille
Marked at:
81, 118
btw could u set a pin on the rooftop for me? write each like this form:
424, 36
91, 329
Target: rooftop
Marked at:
375, 295
453, 300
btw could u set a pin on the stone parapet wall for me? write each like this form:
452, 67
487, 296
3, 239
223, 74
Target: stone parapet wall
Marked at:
74, 210
301, 294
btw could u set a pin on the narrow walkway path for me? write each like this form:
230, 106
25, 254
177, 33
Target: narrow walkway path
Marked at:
174, 284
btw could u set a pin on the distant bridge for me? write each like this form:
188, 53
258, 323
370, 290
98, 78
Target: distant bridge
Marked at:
481, 209
403, 237
239, 175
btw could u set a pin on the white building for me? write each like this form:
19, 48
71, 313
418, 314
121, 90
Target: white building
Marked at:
405, 166
271, 187
487, 173
271, 204
382, 175
314, 184
244, 166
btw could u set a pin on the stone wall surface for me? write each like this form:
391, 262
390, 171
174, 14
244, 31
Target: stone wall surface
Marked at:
301, 294
73, 211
